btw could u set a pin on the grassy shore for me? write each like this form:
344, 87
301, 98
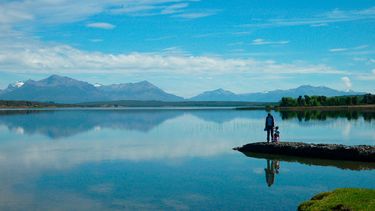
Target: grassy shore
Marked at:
341, 199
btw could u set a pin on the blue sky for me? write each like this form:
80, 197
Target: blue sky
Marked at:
186, 47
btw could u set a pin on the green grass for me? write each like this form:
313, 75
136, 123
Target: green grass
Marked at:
341, 199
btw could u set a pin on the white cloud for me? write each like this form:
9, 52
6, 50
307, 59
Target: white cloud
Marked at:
66, 11
195, 15
42, 11
96, 40
101, 25
174, 8
352, 50
319, 24
11, 14
337, 49
365, 60
241, 33
347, 82
35, 57
160, 38
361, 47
174, 51
367, 76
260, 41
333, 16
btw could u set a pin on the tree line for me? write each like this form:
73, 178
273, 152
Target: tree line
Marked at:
328, 101
21, 103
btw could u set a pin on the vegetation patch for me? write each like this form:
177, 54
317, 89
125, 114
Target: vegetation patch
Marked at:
341, 199
367, 99
29, 104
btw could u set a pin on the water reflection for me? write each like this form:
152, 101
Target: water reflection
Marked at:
273, 167
222, 116
242, 126
324, 115
347, 165
273, 164
64, 123
162, 160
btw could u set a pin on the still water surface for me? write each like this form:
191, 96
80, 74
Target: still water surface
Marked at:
152, 159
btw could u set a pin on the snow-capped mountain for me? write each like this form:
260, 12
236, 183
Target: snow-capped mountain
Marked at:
62, 89
18, 84
13, 86
54, 88
98, 84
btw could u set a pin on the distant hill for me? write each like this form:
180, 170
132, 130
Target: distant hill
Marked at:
54, 88
216, 95
271, 96
143, 90
61, 89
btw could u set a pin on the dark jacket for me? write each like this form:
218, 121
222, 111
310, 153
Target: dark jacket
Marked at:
272, 122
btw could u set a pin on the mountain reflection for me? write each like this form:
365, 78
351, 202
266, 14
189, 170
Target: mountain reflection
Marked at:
64, 123
222, 116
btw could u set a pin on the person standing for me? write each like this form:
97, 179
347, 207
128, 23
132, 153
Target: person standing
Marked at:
270, 123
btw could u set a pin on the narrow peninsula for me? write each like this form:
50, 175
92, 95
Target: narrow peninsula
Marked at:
362, 153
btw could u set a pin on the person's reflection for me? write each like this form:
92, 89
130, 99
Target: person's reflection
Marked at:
272, 168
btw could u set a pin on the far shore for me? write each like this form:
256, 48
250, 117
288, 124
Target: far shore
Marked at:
134, 104
328, 108
369, 108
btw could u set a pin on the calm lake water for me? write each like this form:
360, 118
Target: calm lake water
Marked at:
169, 159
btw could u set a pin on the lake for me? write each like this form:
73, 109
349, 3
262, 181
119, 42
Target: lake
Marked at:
169, 159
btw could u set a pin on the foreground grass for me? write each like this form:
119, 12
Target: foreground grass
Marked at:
341, 199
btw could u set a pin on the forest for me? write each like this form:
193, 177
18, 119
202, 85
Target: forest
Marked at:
327, 101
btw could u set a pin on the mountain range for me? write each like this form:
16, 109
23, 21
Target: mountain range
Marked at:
272, 96
62, 89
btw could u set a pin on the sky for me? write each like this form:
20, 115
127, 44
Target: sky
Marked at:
189, 46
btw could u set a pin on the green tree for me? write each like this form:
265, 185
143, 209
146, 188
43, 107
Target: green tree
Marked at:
308, 100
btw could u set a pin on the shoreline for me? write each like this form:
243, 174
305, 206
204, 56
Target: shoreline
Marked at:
235, 105
363, 153
365, 108
135, 104
341, 199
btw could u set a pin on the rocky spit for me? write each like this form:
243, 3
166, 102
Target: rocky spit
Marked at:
362, 153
